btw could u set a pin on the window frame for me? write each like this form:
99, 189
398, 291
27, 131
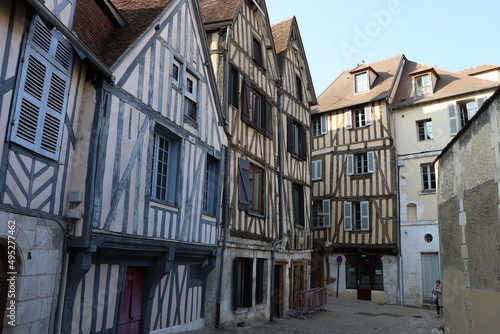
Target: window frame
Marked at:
352, 117
423, 132
423, 89
210, 186
428, 177
170, 177
298, 89
324, 214
362, 85
242, 282
353, 163
257, 54
176, 71
317, 170
318, 126
191, 96
296, 139
357, 216
298, 204
234, 86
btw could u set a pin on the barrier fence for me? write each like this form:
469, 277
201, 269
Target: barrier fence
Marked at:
308, 301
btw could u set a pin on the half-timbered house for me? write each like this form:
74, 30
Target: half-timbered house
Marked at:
41, 80
353, 184
112, 156
266, 241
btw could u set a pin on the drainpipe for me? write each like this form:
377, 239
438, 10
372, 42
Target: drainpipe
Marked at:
280, 191
398, 217
227, 169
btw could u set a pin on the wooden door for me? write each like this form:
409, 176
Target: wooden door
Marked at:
365, 280
430, 274
131, 306
317, 267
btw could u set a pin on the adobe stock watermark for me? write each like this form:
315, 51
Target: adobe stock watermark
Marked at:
364, 36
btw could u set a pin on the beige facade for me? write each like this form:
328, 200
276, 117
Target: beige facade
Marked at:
468, 200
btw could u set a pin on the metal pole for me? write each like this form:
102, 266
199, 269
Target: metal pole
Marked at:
338, 275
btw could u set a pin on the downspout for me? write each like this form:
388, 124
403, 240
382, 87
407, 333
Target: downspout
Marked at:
280, 192
398, 217
227, 169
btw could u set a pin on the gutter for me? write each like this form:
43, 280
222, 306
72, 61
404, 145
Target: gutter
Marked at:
82, 49
227, 169
280, 193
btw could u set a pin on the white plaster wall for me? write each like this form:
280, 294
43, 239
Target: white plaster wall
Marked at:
413, 244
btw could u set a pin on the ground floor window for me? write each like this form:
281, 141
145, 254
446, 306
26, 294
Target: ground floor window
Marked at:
364, 272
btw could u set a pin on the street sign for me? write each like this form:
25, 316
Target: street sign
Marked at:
339, 259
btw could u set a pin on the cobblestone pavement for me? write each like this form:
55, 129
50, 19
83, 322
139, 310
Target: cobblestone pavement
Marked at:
349, 317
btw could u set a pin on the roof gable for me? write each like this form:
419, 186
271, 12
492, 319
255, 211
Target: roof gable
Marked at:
219, 11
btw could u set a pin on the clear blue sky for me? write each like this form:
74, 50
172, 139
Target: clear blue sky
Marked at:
337, 35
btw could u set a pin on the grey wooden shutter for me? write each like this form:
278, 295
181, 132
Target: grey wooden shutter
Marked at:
303, 142
452, 117
324, 125
350, 164
347, 216
289, 134
40, 108
348, 119
480, 101
243, 184
365, 216
245, 99
326, 213
368, 115
268, 112
371, 161
317, 169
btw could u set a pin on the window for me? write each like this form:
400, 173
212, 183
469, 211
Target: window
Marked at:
361, 82
321, 214
259, 281
256, 109
360, 164
40, 108
461, 112
257, 51
242, 282
361, 117
422, 86
317, 170
428, 177
209, 200
364, 272
357, 216
234, 85
296, 139
191, 96
195, 275
298, 204
318, 126
424, 129
298, 88
250, 187
165, 166
176, 66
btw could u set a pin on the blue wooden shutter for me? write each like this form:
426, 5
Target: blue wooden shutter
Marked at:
348, 119
365, 216
324, 125
347, 216
268, 112
245, 99
350, 164
326, 213
243, 184
41, 104
452, 116
371, 162
368, 115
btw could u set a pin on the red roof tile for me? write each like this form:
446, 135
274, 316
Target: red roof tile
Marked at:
217, 11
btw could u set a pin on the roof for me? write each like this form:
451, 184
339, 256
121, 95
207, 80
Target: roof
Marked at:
340, 93
449, 84
108, 41
218, 11
479, 69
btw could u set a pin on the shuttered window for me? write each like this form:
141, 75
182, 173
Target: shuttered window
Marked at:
296, 139
165, 167
357, 216
40, 107
319, 126
317, 170
321, 214
256, 109
210, 186
250, 187
360, 164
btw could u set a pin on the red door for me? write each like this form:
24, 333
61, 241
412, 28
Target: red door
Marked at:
130, 311
365, 279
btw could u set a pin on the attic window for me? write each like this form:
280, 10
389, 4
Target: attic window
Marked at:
422, 86
361, 82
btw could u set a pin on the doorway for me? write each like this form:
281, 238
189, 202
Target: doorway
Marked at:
277, 299
317, 263
430, 274
364, 273
131, 307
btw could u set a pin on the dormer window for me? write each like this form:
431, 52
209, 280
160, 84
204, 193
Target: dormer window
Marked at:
422, 86
361, 82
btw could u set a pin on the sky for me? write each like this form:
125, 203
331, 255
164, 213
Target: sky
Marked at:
339, 35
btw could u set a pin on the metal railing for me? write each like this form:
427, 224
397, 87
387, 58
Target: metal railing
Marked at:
308, 301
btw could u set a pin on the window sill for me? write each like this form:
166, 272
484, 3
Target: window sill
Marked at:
428, 192
162, 202
316, 180
255, 214
190, 121
241, 310
318, 228
320, 135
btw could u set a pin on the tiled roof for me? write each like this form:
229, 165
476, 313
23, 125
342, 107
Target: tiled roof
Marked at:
281, 36
340, 93
449, 84
217, 11
109, 42
479, 69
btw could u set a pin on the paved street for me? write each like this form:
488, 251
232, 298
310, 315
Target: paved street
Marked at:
349, 317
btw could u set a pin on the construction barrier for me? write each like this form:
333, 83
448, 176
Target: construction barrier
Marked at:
308, 301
